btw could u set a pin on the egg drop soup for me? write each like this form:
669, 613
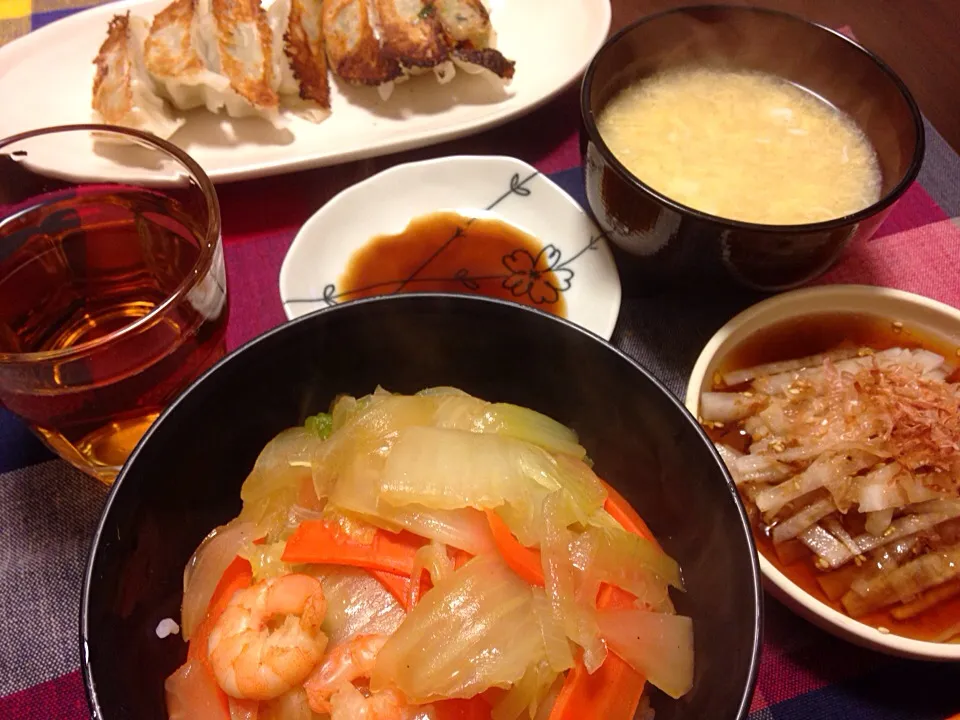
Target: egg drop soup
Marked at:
742, 145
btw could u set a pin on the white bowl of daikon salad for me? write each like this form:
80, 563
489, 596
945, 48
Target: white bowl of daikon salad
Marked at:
872, 553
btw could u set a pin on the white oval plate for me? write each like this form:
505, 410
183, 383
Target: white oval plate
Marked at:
46, 79
474, 186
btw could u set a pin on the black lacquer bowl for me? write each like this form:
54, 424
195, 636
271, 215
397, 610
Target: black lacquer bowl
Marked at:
659, 242
184, 478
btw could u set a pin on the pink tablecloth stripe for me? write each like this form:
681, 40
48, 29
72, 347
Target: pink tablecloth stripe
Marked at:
60, 698
924, 260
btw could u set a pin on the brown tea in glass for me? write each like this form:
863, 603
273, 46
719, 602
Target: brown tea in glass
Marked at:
112, 286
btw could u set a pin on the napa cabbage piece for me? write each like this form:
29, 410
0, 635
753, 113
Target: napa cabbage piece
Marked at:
358, 493
279, 489
657, 645
356, 603
383, 413
527, 696
433, 559
449, 469
206, 567
578, 619
555, 641
470, 632
618, 556
613, 556
284, 462
473, 415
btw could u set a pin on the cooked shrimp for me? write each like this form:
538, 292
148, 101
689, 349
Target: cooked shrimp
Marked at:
345, 663
254, 656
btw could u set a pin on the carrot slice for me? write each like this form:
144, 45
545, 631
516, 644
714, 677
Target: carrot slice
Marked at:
623, 513
316, 542
237, 576
524, 561
399, 587
475, 708
613, 692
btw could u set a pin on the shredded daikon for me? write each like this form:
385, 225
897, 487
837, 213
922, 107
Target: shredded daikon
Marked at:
857, 456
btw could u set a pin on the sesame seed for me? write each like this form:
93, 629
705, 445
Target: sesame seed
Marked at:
883, 631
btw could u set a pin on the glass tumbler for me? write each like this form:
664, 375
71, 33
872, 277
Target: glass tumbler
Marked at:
113, 291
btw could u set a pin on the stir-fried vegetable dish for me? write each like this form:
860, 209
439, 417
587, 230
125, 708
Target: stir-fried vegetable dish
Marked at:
429, 556
850, 464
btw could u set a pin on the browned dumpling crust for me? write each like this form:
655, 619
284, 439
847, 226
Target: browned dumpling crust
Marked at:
304, 46
169, 50
353, 50
252, 76
112, 92
411, 34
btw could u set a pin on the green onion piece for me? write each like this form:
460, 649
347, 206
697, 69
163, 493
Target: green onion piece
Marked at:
320, 424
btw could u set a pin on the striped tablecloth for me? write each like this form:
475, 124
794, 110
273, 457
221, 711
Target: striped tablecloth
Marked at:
48, 510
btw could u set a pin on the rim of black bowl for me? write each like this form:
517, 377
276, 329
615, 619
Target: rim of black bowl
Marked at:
888, 199
479, 300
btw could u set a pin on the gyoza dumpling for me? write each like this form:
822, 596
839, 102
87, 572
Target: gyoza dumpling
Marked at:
468, 27
239, 45
353, 50
410, 33
173, 57
123, 93
466, 22
300, 59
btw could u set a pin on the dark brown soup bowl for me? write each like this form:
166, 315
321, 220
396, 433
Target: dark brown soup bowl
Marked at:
184, 477
658, 241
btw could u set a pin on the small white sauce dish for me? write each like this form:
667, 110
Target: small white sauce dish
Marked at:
497, 187
923, 315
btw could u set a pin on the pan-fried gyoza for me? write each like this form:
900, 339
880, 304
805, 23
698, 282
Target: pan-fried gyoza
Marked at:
249, 60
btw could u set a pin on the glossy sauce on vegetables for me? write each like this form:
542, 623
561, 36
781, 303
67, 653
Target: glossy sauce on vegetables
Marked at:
448, 252
808, 336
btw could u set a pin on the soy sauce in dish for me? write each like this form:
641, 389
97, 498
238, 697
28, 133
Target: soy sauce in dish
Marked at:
449, 252
808, 336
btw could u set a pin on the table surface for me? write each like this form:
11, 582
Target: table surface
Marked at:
48, 510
